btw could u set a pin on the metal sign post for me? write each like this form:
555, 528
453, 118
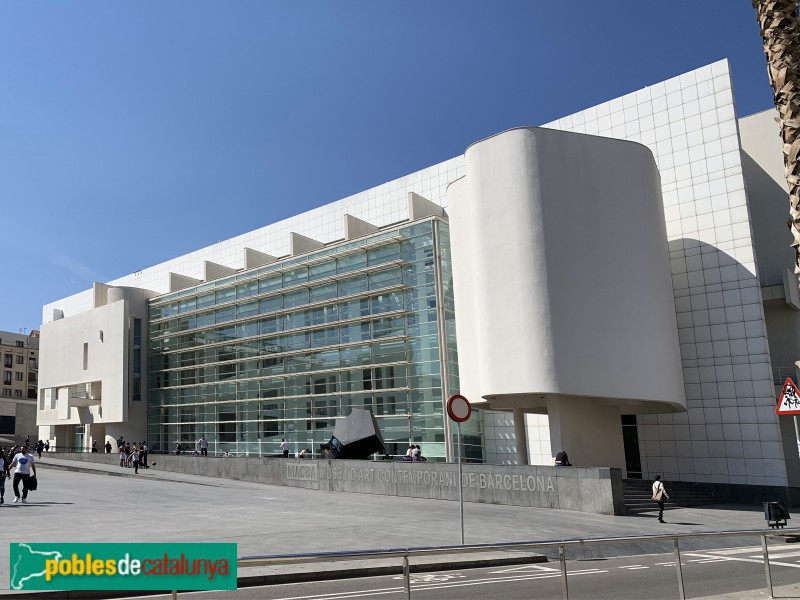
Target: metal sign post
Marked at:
461, 486
459, 409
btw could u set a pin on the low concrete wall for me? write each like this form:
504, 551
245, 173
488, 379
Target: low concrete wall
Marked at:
585, 489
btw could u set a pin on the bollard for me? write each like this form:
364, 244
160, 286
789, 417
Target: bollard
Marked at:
681, 590
766, 563
563, 560
174, 594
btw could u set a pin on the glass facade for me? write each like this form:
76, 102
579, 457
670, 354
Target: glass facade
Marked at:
284, 350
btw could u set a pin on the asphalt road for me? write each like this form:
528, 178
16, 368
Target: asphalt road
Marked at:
708, 573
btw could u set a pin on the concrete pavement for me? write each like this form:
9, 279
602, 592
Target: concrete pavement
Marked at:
78, 502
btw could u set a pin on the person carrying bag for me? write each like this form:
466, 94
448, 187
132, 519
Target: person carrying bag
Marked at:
660, 496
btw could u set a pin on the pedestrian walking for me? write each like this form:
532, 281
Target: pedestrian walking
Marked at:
660, 496
94, 447
108, 447
47, 446
144, 451
285, 448
39, 448
136, 456
24, 464
3, 475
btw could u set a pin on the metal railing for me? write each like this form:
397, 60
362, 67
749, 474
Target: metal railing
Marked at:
405, 554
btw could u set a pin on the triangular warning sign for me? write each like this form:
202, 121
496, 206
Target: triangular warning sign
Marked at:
789, 402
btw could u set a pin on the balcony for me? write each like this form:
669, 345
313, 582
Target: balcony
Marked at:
85, 394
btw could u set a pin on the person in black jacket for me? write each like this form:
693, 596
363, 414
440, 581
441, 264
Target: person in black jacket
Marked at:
562, 460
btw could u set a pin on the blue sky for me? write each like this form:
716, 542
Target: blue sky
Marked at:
134, 132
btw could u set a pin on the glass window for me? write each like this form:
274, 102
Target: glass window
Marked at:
225, 295
187, 305
385, 278
353, 285
271, 282
296, 298
20, 359
295, 276
225, 314
324, 337
205, 319
206, 300
271, 304
351, 262
359, 355
383, 254
325, 314
269, 325
245, 290
323, 292
321, 270
247, 309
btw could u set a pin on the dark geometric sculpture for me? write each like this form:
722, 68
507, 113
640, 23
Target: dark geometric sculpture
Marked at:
357, 436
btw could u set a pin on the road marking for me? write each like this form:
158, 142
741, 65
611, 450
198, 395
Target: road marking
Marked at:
779, 554
748, 550
703, 561
439, 586
743, 559
525, 568
633, 567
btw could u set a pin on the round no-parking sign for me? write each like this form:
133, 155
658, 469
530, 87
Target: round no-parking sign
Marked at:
458, 408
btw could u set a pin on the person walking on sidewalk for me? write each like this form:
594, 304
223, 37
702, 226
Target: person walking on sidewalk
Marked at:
3, 475
135, 456
24, 463
285, 448
660, 496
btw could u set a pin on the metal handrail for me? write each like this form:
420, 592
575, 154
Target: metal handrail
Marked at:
406, 553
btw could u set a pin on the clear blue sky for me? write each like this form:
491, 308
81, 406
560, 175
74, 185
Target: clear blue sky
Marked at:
133, 132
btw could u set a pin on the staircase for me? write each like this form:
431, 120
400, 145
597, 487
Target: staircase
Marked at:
638, 494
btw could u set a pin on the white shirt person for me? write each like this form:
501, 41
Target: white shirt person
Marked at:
24, 463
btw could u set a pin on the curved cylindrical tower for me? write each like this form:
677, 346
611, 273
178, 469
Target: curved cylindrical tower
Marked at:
562, 283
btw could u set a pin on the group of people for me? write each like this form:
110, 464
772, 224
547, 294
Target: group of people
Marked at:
414, 453
23, 464
131, 455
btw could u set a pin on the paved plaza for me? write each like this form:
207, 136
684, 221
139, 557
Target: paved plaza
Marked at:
154, 506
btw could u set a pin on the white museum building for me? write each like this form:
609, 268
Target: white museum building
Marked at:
617, 283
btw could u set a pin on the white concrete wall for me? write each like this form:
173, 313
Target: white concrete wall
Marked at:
62, 361
109, 363
767, 191
561, 273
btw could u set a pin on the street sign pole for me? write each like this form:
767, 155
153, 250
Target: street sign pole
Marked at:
797, 434
459, 410
461, 483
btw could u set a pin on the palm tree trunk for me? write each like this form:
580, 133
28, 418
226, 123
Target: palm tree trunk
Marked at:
780, 30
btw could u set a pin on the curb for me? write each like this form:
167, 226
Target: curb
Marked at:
246, 581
